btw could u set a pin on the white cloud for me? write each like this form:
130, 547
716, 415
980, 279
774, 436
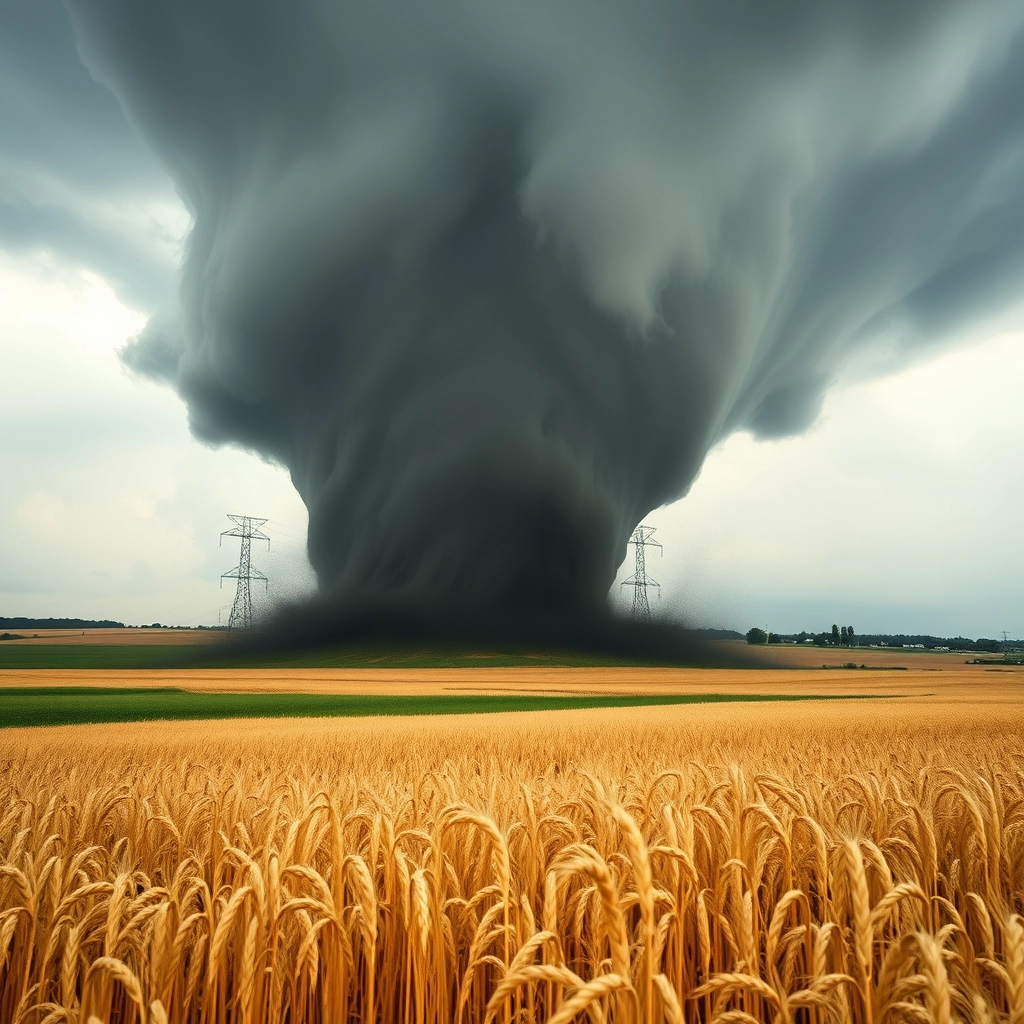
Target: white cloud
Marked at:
899, 511
108, 508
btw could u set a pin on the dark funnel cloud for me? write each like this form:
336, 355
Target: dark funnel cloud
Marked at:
491, 278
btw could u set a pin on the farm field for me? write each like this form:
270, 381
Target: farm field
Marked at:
134, 636
164, 647
37, 696
216, 650
75, 705
809, 656
813, 861
952, 681
23, 655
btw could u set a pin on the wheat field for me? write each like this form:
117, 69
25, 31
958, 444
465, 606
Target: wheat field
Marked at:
724, 863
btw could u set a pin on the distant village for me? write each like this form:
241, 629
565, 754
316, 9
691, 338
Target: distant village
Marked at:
845, 636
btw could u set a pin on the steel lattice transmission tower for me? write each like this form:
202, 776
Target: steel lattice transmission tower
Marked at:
640, 581
248, 528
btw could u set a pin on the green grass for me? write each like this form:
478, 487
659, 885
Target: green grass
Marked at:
137, 656
78, 705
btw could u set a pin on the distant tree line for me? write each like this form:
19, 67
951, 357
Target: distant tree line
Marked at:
841, 636
22, 622
844, 636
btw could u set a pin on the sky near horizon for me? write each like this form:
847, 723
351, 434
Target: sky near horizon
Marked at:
898, 510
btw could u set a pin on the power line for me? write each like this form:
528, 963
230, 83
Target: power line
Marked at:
640, 581
277, 527
246, 527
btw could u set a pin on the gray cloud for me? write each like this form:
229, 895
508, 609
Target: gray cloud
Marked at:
157, 350
72, 171
491, 279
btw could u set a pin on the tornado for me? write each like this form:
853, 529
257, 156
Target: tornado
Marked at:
491, 279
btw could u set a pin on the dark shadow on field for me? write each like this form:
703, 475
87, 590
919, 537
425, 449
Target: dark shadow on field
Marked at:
331, 632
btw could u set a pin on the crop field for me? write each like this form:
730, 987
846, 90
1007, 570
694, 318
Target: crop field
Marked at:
145, 648
74, 705
32, 654
817, 861
135, 636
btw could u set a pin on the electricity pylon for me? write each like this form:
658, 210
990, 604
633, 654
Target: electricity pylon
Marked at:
640, 581
246, 527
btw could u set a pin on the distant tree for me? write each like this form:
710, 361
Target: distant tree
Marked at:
850, 639
756, 636
843, 642
835, 635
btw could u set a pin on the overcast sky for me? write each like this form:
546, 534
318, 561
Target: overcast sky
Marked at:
899, 510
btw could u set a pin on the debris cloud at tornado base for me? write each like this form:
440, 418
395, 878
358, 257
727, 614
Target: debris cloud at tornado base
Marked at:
491, 279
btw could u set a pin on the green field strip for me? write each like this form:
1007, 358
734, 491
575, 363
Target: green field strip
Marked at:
138, 656
81, 705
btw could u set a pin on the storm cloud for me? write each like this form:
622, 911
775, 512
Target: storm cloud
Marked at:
491, 279
74, 178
